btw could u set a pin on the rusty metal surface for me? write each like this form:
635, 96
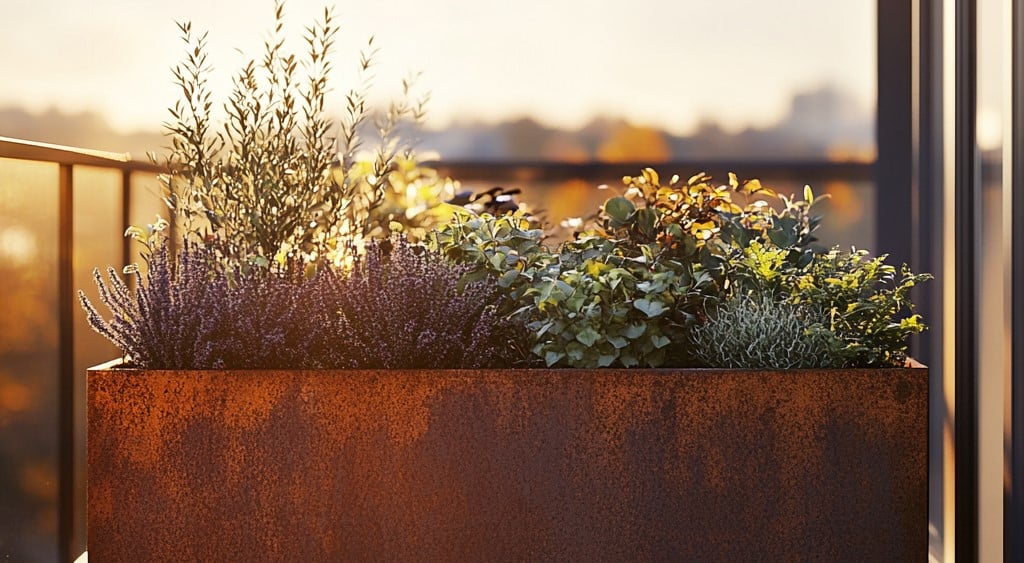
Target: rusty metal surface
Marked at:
566, 465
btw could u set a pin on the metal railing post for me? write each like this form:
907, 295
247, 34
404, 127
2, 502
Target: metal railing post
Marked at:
65, 382
126, 220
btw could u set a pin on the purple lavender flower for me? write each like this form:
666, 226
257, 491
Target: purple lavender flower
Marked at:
402, 308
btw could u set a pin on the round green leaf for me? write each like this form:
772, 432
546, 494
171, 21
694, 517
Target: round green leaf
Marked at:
619, 208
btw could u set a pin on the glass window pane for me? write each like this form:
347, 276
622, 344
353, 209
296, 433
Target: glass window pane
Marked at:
645, 80
28, 360
992, 297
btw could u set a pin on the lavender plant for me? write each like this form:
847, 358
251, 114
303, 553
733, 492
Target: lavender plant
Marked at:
277, 320
185, 315
401, 307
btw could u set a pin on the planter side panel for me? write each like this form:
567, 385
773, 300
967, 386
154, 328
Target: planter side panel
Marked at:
508, 465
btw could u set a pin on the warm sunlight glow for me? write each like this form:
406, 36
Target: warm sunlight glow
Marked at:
990, 129
669, 64
17, 245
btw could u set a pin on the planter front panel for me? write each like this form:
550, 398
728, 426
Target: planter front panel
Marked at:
560, 465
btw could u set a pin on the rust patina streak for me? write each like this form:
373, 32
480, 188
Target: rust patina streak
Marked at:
539, 465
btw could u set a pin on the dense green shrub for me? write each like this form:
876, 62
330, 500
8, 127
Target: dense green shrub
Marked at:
665, 269
606, 310
627, 290
867, 306
506, 247
864, 313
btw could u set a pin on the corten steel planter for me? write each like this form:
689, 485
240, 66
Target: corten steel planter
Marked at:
535, 465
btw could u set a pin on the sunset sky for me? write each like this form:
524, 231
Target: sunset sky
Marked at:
655, 62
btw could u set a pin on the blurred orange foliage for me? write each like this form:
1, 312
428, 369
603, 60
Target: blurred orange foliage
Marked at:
29, 319
15, 397
631, 143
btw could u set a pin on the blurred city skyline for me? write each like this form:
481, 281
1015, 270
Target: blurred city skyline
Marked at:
823, 123
671, 66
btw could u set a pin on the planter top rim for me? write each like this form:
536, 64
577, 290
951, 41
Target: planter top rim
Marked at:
913, 366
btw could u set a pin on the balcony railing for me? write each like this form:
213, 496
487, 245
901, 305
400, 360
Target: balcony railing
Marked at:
69, 162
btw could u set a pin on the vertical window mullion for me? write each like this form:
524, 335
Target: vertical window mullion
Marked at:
967, 234
1013, 511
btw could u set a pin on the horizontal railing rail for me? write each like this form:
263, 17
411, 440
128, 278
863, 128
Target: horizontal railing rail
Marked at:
540, 170
20, 149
